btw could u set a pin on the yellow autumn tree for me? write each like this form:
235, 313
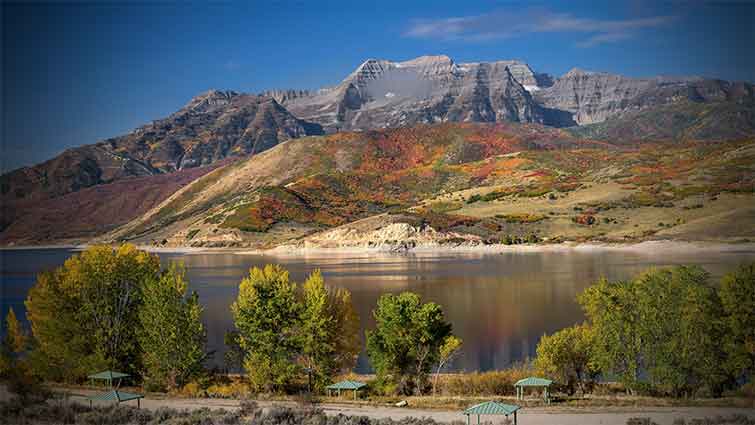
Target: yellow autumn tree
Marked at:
84, 315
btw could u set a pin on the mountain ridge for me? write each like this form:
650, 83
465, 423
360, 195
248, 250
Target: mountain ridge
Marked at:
453, 184
439, 185
439, 90
216, 125
375, 94
210, 127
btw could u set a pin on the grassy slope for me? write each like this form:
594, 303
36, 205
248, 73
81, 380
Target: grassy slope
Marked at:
689, 192
431, 174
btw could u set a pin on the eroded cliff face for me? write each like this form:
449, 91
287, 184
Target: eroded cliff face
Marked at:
428, 89
431, 89
591, 97
286, 95
594, 97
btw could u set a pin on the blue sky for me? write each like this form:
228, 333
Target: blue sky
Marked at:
75, 74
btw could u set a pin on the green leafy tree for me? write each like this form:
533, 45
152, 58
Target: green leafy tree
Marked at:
267, 315
737, 294
329, 330
406, 340
566, 356
64, 349
14, 366
681, 330
234, 355
616, 321
14, 343
317, 341
15, 337
171, 334
84, 315
664, 323
346, 320
450, 348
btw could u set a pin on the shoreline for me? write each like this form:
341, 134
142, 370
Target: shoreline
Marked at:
434, 249
81, 247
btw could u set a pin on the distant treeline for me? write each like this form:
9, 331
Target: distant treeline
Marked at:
666, 332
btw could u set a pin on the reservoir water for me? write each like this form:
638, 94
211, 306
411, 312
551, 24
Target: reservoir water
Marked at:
499, 304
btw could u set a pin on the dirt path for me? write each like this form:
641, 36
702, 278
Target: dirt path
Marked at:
526, 416
533, 416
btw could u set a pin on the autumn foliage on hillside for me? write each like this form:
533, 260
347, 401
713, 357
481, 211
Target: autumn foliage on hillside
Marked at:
455, 177
397, 169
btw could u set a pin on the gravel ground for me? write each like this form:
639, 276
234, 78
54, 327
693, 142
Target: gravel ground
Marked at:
527, 416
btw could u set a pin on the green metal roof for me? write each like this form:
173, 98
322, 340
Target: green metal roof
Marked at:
347, 385
115, 395
492, 408
533, 382
108, 374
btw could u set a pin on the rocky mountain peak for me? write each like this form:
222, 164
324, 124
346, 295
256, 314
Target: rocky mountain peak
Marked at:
427, 60
215, 95
210, 127
574, 72
434, 88
370, 69
209, 99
